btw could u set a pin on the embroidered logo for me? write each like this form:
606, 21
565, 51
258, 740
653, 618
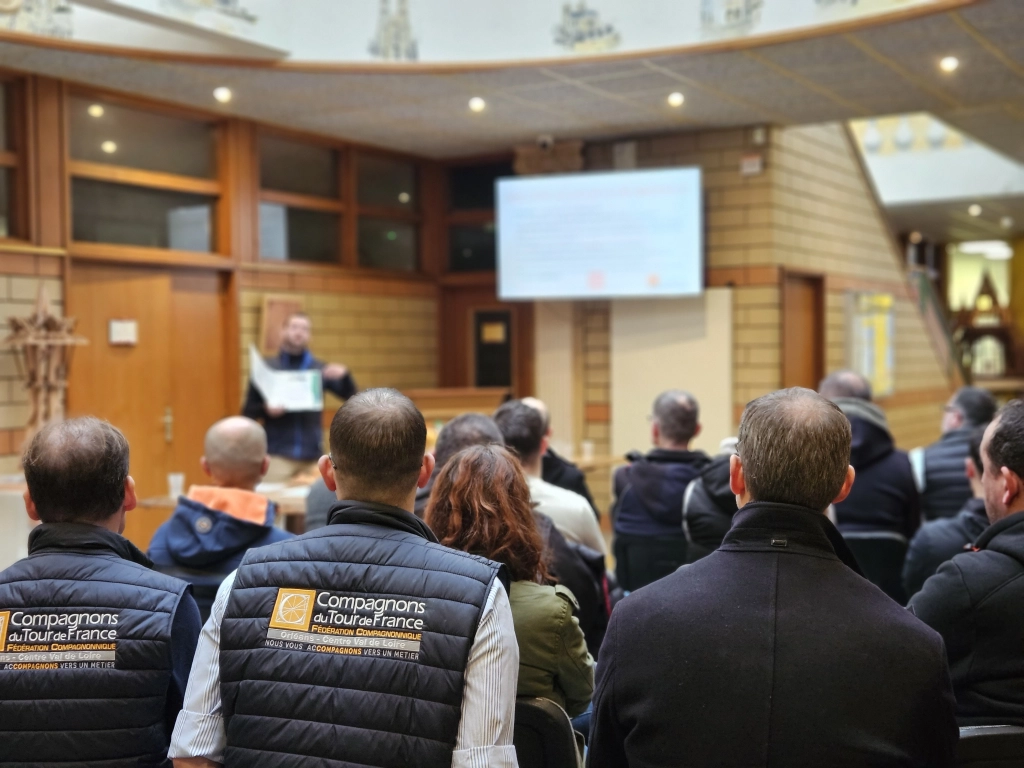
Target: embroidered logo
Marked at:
293, 609
5, 619
204, 524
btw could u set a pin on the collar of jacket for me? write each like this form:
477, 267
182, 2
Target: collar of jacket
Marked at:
855, 408
371, 513
976, 507
1010, 527
671, 456
85, 539
764, 526
963, 433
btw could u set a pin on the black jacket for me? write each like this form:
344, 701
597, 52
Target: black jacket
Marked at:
975, 602
565, 474
946, 487
708, 507
771, 651
940, 540
884, 497
649, 491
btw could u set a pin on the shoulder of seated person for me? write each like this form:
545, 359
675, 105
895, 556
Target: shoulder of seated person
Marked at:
566, 594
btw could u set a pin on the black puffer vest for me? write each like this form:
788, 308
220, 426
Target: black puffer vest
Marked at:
85, 652
348, 645
946, 488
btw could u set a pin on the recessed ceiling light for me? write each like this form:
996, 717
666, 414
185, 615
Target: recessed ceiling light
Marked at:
95, 110
915, 237
109, 147
403, 197
477, 104
949, 64
1006, 222
676, 99
974, 210
222, 94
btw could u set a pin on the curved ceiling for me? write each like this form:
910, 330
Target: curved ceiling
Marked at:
875, 70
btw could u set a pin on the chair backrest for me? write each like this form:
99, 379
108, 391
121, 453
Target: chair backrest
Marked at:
639, 560
880, 555
990, 746
543, 736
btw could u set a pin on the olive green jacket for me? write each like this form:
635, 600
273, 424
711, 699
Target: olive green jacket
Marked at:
553, 659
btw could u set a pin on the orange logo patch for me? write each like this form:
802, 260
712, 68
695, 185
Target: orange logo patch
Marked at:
5, 619
293, 609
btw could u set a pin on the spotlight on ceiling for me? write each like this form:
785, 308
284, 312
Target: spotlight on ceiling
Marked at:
997, 250
477, 104
915, 237
403, 197
95, 110
949, 64
676, 99
109, 147
1006, 222
974, 210
222, 94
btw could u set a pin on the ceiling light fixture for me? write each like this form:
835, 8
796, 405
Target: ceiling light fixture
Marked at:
95, 110
109, 147
949, 64
477, 104
403, 197
1006, 222
676, 99
997, 250
222, 94
974, 210
915, 237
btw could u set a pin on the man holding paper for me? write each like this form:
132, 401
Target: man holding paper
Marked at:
285, 393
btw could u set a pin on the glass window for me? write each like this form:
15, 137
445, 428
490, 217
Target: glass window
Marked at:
472, 186
289, 166
116, 213
386, 182
102, 132
298, 234
387, 244
471, 248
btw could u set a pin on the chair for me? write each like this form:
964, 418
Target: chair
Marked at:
543, 735
880, 555
639, 560
990, 746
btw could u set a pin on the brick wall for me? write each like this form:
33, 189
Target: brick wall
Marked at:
593, 320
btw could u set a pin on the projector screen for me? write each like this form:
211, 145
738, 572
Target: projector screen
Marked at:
597, 235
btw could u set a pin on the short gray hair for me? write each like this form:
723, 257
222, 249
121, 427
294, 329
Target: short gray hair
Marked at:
845, 384
677, 414
795, 448
235, 448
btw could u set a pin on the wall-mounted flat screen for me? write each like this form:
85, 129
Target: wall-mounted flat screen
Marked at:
600, 235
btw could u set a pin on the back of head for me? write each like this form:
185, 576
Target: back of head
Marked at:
463, 431
677, 415
76, 471
1006, 444
481, 504
234, 449
378, 439
541, 407
522, 427
977, 405
842, 384
795, 448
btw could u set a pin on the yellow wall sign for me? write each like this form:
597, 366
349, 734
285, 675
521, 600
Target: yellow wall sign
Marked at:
293, 609
870, 348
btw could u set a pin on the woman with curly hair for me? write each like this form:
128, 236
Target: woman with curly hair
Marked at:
481, 504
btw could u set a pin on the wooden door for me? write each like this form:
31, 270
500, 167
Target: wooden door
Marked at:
164, 391
803, 330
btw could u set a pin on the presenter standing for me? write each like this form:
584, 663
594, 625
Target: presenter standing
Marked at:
295, 438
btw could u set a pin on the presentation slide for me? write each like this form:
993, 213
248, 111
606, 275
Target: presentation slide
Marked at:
597, 235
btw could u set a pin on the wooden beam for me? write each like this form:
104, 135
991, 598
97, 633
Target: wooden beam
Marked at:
132, 254
118, 174
296, 200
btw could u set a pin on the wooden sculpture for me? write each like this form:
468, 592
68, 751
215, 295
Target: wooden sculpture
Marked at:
43, 346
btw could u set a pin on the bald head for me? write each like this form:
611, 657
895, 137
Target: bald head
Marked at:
676, 419
235, 453
845, 384
542, 409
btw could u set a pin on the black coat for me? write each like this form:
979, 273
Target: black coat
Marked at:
940, 540
708, 507
945, 485
649, 491
565, 474
975, 602
771, 651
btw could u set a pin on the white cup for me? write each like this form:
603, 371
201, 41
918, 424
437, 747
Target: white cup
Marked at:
175, 484
587, 449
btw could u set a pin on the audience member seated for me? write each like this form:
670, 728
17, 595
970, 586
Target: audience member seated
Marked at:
481, 504
939, 468
215, 525
709, 505
649, 491
940, 540
463, 431
884, 498
83, 587
555, 469
773, 650
523, 430
974, 600
442, 694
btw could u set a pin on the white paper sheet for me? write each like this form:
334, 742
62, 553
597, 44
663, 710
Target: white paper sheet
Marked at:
291, 390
